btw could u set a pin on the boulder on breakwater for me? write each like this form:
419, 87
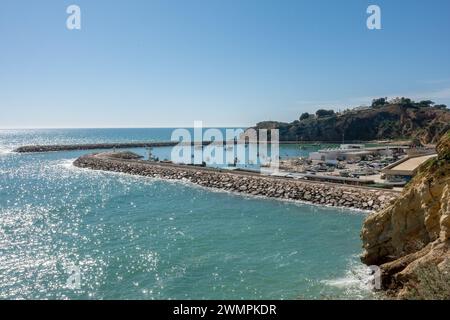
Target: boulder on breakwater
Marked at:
126, 155
325, 194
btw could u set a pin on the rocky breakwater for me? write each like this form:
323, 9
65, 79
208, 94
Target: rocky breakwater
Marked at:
93, 146
246, 183
410, 239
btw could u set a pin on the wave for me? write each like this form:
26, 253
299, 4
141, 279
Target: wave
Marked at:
284, 200
67, 164
357, 281
5, 150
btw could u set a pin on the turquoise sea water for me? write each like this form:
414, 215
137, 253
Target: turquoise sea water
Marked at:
142, 238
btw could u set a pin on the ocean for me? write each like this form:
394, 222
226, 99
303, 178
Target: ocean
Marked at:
70, 233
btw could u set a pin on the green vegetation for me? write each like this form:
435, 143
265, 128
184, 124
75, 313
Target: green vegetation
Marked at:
322, 113
436, 167
305, 116
426, 103
433, 283
379, 102
384, 119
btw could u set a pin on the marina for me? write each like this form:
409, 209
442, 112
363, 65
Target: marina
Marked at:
381, 166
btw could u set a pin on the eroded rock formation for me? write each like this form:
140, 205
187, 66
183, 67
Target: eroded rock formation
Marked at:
410, 239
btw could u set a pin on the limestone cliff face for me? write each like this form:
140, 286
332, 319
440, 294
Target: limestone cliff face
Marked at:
410, 239
391, 121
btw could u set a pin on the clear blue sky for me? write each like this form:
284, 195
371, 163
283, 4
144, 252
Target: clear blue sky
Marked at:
229, 63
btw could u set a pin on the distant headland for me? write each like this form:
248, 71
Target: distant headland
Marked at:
399, 118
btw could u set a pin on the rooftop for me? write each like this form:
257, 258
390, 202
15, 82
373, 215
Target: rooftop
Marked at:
412, 163
408, 166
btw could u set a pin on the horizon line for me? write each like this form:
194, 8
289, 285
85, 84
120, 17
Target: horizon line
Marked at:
139, 127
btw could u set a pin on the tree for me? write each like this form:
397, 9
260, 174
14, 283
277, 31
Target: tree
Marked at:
401, 101
379, 102
426, 103
304, 116
321, 113
441, 106
404, 102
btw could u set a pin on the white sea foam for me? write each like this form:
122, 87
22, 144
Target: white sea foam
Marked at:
187, 182
5, 150
291, 201
357, 281
67, 164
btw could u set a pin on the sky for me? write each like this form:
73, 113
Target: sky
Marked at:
167, 63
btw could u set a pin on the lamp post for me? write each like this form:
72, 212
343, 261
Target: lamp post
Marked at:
149, 153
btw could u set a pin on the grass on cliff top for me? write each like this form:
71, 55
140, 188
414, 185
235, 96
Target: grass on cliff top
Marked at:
431, 283
439, 166
443, 146
434, 168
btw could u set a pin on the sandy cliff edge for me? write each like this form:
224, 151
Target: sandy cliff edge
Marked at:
410, 239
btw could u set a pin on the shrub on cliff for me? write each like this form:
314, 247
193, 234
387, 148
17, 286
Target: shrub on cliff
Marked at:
443, 147
437, 167
425, 104
379, 102
304, 116
322, 113
432, 283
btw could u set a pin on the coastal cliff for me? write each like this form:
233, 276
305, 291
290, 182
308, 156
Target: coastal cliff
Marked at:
410, 239
397, 119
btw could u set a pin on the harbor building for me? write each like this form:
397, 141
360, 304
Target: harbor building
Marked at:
406, 168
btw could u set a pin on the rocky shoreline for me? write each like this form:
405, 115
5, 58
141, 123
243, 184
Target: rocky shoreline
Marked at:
254, 184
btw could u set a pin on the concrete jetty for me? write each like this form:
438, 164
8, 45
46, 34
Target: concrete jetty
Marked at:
250, 183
